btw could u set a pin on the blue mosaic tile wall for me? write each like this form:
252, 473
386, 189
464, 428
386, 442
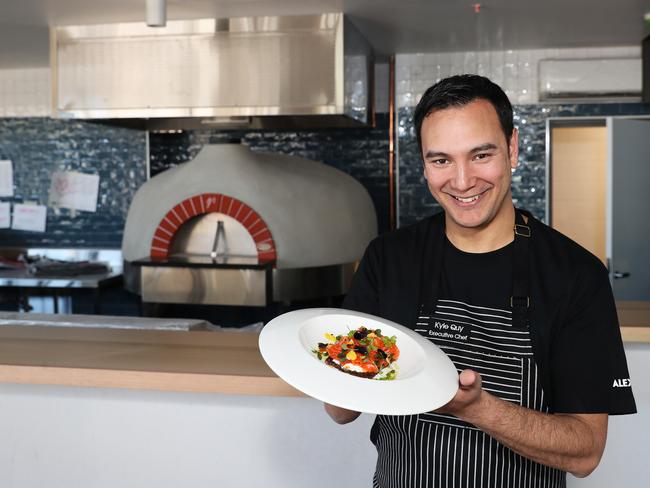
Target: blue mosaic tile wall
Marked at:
528, 180
362, 153
40, 146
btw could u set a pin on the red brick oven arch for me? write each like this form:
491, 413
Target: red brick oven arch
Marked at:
213, 202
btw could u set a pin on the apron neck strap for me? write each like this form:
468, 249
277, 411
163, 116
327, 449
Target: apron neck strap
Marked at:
431, 269
520, 298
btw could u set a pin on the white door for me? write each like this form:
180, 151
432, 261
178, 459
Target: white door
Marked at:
629, 208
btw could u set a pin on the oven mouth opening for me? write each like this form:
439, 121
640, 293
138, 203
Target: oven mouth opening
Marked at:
214, 235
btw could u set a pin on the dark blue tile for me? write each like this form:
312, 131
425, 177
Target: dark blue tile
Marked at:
39, 147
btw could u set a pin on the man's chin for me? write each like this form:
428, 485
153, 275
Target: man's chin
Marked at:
471, 224
467, 219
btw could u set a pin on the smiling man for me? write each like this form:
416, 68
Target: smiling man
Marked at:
540, 356
467, 163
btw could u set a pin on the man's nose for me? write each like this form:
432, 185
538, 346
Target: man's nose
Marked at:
463, 178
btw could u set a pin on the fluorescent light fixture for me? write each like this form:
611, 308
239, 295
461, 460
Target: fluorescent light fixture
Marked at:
156, 13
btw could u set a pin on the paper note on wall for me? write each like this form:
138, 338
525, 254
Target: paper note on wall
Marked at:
29, 217
5, 215
71, 189
6, 178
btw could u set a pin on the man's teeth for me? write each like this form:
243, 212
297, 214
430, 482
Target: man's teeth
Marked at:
467, 200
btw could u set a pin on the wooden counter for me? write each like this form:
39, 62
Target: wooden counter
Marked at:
195, 361
182, 361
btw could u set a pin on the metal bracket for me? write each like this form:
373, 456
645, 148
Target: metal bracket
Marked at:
512, 304
220, 237
522, 230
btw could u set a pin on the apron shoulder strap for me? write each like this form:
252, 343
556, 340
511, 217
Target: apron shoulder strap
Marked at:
432, 246
520, 298
430, 264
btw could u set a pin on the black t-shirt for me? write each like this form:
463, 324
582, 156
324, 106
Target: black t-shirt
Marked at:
575, 334
485, 278
570, 359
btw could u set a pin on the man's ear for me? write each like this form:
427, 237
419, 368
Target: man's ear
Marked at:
513, 148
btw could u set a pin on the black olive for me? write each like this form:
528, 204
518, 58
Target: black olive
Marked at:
322, 345
381, 354
361, 350
361, 334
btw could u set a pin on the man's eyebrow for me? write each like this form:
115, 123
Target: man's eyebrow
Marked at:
431, 153
488, 146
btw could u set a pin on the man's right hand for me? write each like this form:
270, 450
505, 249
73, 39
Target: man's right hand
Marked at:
341, 415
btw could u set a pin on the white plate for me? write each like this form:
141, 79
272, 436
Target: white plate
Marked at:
426, 378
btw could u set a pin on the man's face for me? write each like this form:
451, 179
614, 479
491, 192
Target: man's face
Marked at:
468, 162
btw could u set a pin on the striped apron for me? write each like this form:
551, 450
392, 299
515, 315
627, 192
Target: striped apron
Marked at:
432, 450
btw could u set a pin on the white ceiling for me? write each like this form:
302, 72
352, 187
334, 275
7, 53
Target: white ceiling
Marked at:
392, 26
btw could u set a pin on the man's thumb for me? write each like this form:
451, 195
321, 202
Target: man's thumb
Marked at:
469, 378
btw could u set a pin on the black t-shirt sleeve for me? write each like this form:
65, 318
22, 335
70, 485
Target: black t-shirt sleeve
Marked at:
363, 295
589, 371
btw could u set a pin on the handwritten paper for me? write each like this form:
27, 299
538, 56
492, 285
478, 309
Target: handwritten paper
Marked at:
74, 190
6, 178
29, 217
5, 215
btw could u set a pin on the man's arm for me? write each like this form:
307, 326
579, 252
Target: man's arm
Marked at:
341, 415
570, 442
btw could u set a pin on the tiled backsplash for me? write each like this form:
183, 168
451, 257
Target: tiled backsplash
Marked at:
528, 180
514, 71
38, 147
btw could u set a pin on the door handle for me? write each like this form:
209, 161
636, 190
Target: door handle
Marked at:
618, 275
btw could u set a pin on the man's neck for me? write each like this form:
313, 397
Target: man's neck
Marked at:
496, 234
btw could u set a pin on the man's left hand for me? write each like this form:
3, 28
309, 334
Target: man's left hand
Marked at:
468, 395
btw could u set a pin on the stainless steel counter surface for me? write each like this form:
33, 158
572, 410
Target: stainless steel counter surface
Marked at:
100, 321
20, 278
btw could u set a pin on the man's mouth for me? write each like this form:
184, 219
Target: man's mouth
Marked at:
468, 200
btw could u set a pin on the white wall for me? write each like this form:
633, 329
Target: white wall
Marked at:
59, 437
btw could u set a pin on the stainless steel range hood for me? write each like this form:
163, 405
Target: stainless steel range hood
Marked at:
240, 72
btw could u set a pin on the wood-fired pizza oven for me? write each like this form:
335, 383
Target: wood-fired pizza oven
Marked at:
237, 227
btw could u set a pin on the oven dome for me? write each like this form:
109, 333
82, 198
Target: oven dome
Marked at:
317, 215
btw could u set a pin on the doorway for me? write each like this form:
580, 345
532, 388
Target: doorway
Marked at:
597, 174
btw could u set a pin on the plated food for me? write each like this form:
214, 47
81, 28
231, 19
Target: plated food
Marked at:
362, 352
426, 378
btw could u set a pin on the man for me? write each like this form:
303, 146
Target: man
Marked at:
541, 348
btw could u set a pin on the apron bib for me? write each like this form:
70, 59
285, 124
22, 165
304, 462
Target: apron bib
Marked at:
435, 450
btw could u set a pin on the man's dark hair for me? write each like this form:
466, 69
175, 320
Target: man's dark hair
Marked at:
460, 90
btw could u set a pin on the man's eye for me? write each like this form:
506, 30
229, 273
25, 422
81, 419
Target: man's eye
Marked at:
440, 162
481, 156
